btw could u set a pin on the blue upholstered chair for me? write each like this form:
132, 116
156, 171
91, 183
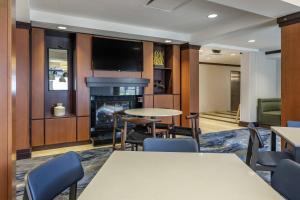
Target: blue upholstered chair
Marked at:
295, 124
170, 145
51, 178
286, 179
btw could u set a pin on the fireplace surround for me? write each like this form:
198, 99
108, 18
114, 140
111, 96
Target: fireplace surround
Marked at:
108, 95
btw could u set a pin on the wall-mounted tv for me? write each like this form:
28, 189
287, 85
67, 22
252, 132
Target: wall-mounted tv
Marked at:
117, 55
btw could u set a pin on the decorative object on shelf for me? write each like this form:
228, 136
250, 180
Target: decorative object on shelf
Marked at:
158, 57
159, 84
59, 110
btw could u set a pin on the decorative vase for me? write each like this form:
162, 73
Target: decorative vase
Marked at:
59, 110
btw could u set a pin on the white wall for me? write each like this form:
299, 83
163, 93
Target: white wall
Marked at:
214, 87
260, 78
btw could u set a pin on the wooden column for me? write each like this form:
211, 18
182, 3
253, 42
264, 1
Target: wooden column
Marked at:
189, 81
7, 100
22, 95
290, 68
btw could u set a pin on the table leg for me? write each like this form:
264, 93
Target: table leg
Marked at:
273, 141
297, 154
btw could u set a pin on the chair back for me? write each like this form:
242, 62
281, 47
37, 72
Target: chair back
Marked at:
117, 120
170, 145
295, 124
51, 178
255, 142
286, 179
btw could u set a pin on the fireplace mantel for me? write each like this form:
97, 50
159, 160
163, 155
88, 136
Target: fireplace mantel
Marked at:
116, 82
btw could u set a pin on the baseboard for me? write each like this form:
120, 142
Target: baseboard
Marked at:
23, 154
54, 146
245, 124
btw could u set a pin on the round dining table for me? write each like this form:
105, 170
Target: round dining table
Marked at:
153, 112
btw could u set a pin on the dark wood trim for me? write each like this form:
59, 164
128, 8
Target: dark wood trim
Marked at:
273, 52
289, 19
23, 25
54, 146
220, 64
189, 46
23, 154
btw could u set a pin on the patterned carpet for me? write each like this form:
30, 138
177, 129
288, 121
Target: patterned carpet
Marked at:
222, 142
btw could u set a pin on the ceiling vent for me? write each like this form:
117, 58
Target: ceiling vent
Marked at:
166, 5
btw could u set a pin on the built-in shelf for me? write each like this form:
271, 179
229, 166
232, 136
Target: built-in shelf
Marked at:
51, 116
162, 68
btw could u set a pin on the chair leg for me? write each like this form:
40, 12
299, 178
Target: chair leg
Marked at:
73, 192
25, 196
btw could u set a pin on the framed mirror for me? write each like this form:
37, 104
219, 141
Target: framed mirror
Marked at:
58, 71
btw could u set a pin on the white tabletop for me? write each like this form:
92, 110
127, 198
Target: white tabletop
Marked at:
153, 112
290, 134
176, 176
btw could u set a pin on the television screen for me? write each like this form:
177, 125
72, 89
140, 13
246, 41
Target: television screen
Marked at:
117, 55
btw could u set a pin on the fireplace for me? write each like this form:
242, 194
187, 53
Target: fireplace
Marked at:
107, 96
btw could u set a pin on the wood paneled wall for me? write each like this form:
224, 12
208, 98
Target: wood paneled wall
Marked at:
148, 66
37, 73
22, 88
290, 73
189, 82
176, 69
83, 70
7, 100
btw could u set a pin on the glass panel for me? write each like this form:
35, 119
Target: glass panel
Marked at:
58, 69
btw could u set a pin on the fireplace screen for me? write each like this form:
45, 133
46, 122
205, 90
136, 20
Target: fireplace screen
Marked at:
105, 110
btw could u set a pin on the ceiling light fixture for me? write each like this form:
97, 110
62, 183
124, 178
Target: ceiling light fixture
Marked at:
294, 2
211, 16
62, 27
233, 54
251, 41
168, 41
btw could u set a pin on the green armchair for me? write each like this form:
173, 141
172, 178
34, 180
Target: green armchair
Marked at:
269, 112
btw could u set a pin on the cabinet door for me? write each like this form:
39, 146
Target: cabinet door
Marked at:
60, 130
83, 128
37, 133
164, 101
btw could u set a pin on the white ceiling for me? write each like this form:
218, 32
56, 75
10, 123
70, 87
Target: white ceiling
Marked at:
178, 20
225, 57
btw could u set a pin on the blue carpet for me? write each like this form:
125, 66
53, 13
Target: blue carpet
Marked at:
234, 141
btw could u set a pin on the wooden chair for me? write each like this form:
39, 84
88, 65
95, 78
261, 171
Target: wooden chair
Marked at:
193, 132
118, 127
262, 161
144, 128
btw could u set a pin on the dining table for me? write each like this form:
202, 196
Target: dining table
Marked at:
138, 175
153, 112
291, 135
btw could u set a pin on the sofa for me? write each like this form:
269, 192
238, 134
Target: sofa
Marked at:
269, 112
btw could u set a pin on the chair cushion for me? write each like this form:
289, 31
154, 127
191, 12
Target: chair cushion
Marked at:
135, 137
271, 158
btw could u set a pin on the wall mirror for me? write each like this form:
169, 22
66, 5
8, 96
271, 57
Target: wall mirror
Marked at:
58, 69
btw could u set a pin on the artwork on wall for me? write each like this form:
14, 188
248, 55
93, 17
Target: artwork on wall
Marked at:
159, 57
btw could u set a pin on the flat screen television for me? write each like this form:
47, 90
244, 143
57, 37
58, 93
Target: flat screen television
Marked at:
117, 55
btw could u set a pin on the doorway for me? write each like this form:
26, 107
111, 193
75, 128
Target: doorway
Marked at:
235, 90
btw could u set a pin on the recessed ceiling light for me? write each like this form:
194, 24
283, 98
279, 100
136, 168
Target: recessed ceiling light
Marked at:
62, 27
168, 41
251, 41
294, 2
211, 16
233, 54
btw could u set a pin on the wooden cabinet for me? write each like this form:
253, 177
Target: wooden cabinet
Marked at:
37, 133
60, 130
22, 89
83, 128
